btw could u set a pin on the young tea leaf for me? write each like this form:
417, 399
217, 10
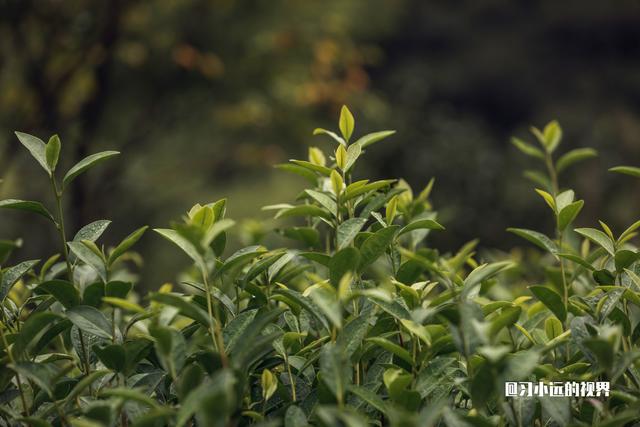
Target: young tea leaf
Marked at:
85, 164
551, 300
125, 244
52, 152
346, 123
27, 206
627, 170
36, 147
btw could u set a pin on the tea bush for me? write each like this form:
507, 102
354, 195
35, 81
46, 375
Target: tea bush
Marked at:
358, 322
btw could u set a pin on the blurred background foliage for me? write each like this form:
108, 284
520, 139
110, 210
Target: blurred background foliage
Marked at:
203, 97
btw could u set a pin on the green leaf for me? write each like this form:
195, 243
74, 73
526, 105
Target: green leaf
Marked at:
39, 422
269, 384
91, 320
338, 139
346, 123
309, 236
624, 258
92, 231
63, 291
85, 164
574, 156
322, 170
348, 230
212, 402
117, 288
374, 137
295, 417
305, 303
356, 191
552, 135
249, 337
341, 157
282, 261
536, 238
42, 374
597, 237
352, 334
85, 253
370, 398
551, 300
344, 261
337, 182
234, 329
569, 213
418, 330
303, 210
299, 170
262, 265
320, 258
84, 383
374, 246
552, 327
394, 308
125, 244
130, 394
224, 299
124, 304
428, 224
112, 356
564, 198
241, 257
558, 408
11, 275
171, 348
316, 156
507, 317
527, 149
324, 200
326, 300
216, 230
353, 152
335, 372
482, 385
27, 206
52, 152
32, 329
480, 274
547, 198
392, 348
36, 147
626, 170
629, 231
184, 244
184, 305
578, 260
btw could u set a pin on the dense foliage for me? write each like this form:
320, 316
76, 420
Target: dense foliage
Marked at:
358, 322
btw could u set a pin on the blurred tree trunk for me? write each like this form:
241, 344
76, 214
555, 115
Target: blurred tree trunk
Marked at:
92, 111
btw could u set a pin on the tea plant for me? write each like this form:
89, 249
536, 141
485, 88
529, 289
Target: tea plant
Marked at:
358, 321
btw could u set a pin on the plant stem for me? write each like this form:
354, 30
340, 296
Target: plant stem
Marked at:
63, 239
553, 175
291, 379
60, 227
214, 321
